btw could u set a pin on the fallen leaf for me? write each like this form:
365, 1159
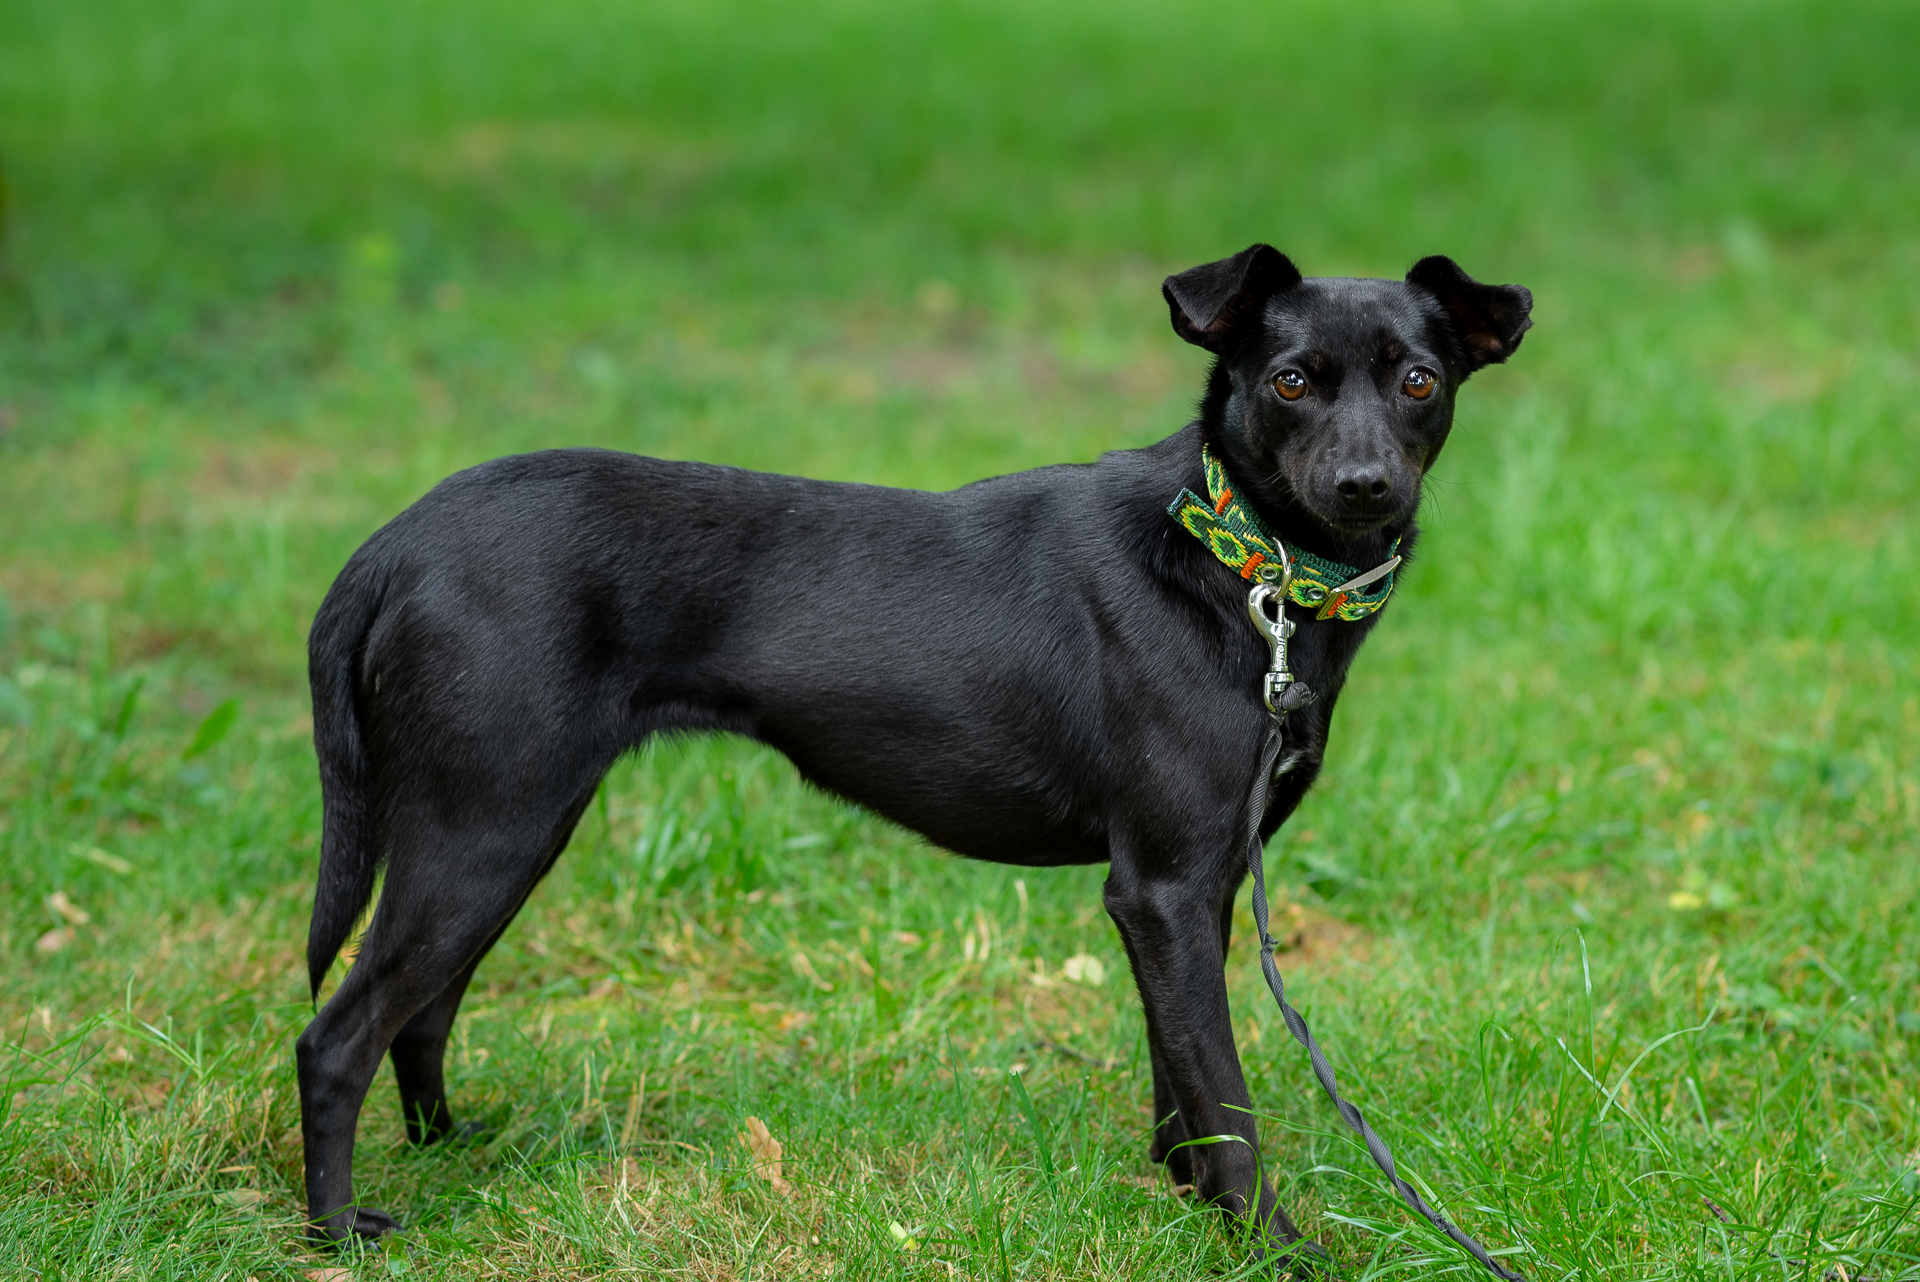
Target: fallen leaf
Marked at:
1084, 968
900, 1234
1683, 901
757, 1140
95, 855
242, 1199
73, 914
803, 967
53, 941
329, 1275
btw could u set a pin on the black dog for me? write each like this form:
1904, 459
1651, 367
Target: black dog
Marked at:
1089, 688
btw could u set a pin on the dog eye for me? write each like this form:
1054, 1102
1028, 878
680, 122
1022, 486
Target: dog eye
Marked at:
1419, 384
1291, 384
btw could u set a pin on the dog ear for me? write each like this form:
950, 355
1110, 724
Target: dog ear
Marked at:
1489, 320
1208, 303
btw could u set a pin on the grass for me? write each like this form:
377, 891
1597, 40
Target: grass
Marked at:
1603, 907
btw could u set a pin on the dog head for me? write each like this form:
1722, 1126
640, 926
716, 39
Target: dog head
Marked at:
1332, 396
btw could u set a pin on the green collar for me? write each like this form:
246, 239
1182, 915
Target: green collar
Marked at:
1244, 544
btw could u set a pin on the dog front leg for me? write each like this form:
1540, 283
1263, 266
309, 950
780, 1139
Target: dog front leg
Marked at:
1171, 929
1170, 1134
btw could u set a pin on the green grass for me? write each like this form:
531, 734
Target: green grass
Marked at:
1605, 904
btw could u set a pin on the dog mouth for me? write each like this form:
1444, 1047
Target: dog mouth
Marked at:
1360, 524
1351, 519
1350, 523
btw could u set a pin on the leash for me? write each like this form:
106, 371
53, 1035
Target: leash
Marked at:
1235, 534
1283, 694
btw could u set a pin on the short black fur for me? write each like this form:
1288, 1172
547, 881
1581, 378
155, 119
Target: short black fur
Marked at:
1038, 669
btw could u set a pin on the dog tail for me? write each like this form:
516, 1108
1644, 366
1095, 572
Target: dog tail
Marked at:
349, 838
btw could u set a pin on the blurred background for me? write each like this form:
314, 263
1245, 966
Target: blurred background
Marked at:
307, 259
1633, 752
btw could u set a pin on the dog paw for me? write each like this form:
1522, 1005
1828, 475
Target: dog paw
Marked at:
451, 1136
1178, 1160
355, 1224
1304, 1260
466, 1133
370, 1224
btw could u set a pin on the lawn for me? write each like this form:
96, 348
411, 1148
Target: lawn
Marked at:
1604, 907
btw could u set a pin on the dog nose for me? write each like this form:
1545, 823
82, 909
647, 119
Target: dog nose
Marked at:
1363, 486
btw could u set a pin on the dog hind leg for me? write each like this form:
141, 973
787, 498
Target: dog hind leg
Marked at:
450, 892
419, 1049
419, 1060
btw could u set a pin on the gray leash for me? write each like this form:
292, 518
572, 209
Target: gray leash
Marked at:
1285, 695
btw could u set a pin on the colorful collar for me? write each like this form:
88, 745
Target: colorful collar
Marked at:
1244, 544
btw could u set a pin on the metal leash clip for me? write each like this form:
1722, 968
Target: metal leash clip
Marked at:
1277, 628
